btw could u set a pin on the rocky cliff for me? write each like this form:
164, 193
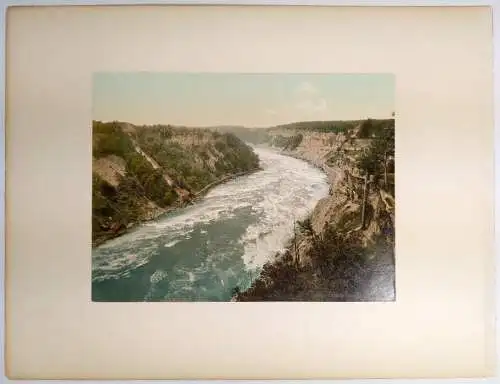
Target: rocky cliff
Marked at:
141, 172
345, 250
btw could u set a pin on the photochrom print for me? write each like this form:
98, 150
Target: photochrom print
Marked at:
243, 187
160, 176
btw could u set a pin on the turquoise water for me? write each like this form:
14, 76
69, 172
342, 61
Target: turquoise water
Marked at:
202, 252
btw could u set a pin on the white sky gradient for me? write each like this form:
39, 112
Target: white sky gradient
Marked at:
258, 100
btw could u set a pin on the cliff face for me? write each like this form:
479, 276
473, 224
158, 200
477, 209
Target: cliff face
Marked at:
141, 172
345, 250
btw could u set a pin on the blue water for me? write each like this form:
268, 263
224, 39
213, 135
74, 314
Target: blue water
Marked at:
202, 252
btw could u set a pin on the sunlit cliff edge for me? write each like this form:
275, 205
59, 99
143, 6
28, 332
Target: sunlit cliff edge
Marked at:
345, 250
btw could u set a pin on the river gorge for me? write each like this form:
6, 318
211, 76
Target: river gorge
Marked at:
204, 251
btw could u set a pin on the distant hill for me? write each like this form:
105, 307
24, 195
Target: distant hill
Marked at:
335, 126
365, 128
250, 135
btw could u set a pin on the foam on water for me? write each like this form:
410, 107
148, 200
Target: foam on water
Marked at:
158, 276
270, 200
171, 243
295, 189
113, 264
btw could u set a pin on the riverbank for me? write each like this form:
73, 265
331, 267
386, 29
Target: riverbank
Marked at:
159, 212
142, 172
214, 184
331, 172
344, 250
206, 250
279, 267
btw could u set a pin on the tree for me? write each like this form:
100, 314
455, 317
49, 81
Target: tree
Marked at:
306, 226
374, 159
365, 129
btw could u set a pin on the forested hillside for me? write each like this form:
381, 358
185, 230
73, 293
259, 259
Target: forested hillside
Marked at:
140, 172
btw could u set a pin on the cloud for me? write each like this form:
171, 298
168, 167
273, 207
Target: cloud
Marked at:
305, 103
309, 99
306, 89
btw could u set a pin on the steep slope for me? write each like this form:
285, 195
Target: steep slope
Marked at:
141, 172
345, 250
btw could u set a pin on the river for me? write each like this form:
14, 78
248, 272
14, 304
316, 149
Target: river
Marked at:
202, 252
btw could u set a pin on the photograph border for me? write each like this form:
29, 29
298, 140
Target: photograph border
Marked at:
311, 112
496, 14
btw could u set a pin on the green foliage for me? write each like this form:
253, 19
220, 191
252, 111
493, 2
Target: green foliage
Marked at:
250, 135
339, 265
179, 164
374, 128
294, 142
117, 207
233, 155
305, 226
369, 162
101, 192
280, 141
322, 126
339, 269
149, 180
128, 201
238, 156
278, 281
375, 158
113, 207
265, 135
185, 154
366, 129
109, 139
190, 163
338, 256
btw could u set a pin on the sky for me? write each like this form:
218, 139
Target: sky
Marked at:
252, 100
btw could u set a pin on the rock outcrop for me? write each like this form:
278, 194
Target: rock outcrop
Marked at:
345, 250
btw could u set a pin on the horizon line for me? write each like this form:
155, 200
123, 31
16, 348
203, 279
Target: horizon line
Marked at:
392, 117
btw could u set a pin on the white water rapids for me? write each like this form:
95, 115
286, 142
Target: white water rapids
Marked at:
202, 252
